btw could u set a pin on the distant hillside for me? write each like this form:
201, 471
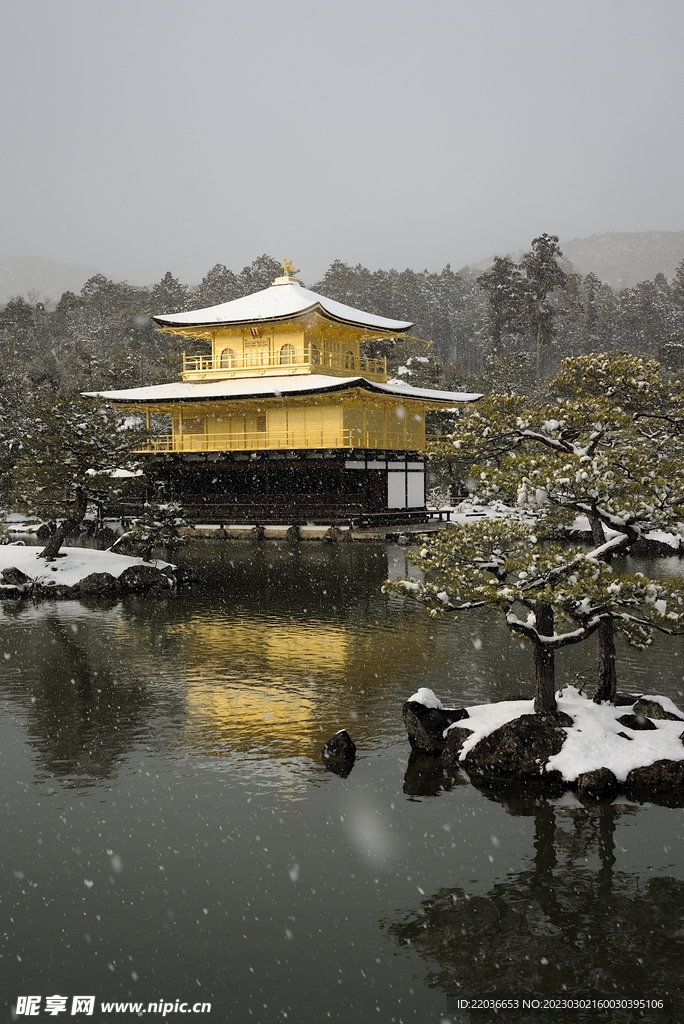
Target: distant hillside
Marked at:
621, 259
22, 275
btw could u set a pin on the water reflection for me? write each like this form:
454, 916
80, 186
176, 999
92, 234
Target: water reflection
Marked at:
276, 648
82, 715
563, 927
426, 775
198, 724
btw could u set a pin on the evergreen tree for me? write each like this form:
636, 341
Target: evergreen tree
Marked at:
258, 275
563, 592
508, 373
609, 447
13, 424
69, 453
18, 330
219, 285
678, 285
503, 285
543, 276
158, 526
169, 295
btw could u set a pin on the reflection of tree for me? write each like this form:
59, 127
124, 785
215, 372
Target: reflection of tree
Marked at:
559, 928
82, 718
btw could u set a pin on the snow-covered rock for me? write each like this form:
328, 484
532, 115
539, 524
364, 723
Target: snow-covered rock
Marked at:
426, 697
584, 745
339, 753
78, 570
427, 721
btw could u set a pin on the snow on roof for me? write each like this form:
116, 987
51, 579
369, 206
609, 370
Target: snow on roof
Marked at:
279, 302
272, 387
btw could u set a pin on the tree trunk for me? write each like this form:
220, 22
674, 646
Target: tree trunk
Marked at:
68, 526
544, 663
606, 675
606, 671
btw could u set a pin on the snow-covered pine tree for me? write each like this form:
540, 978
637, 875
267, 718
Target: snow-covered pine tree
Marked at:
610, 448
553, 595
158, 525
69, 454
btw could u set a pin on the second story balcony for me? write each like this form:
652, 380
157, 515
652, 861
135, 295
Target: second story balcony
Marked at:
229, 363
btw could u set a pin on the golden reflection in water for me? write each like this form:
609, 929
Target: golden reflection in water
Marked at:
257, 685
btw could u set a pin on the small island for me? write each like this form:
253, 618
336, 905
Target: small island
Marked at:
635, 746
76, 572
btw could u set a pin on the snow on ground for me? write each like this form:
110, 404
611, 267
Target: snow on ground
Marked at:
76, 564
672, 540
593, 741
485, 718
471, 509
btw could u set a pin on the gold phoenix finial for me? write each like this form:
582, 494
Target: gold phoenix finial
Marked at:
289, 268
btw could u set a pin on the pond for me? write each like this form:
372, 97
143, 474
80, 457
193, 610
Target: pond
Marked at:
171, 836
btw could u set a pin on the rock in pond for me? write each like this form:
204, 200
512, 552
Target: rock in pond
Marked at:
426, 725
623, 700
652, 709
453, 745
518, 751
660, 777
97, 583
333, 535
143, 579
15, 577
339, 753
45, 531
637, 722
598, 785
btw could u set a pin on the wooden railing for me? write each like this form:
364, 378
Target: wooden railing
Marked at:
293, 440
215, 365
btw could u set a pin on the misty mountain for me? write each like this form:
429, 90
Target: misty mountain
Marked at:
622, 259
32, 275
618, 258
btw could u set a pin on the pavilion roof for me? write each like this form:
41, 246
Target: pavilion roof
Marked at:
275, 387
281, 301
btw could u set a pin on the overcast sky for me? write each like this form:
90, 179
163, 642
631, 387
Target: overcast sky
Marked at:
140, 136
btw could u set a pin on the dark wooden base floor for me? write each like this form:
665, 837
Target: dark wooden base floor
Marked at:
296, 488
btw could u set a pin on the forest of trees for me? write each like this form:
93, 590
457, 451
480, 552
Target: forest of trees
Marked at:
504, 331
480, 326
499, 331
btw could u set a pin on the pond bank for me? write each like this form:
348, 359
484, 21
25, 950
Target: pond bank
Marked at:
78, 572
293, 532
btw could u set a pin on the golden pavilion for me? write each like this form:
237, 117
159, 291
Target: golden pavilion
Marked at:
285, 419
